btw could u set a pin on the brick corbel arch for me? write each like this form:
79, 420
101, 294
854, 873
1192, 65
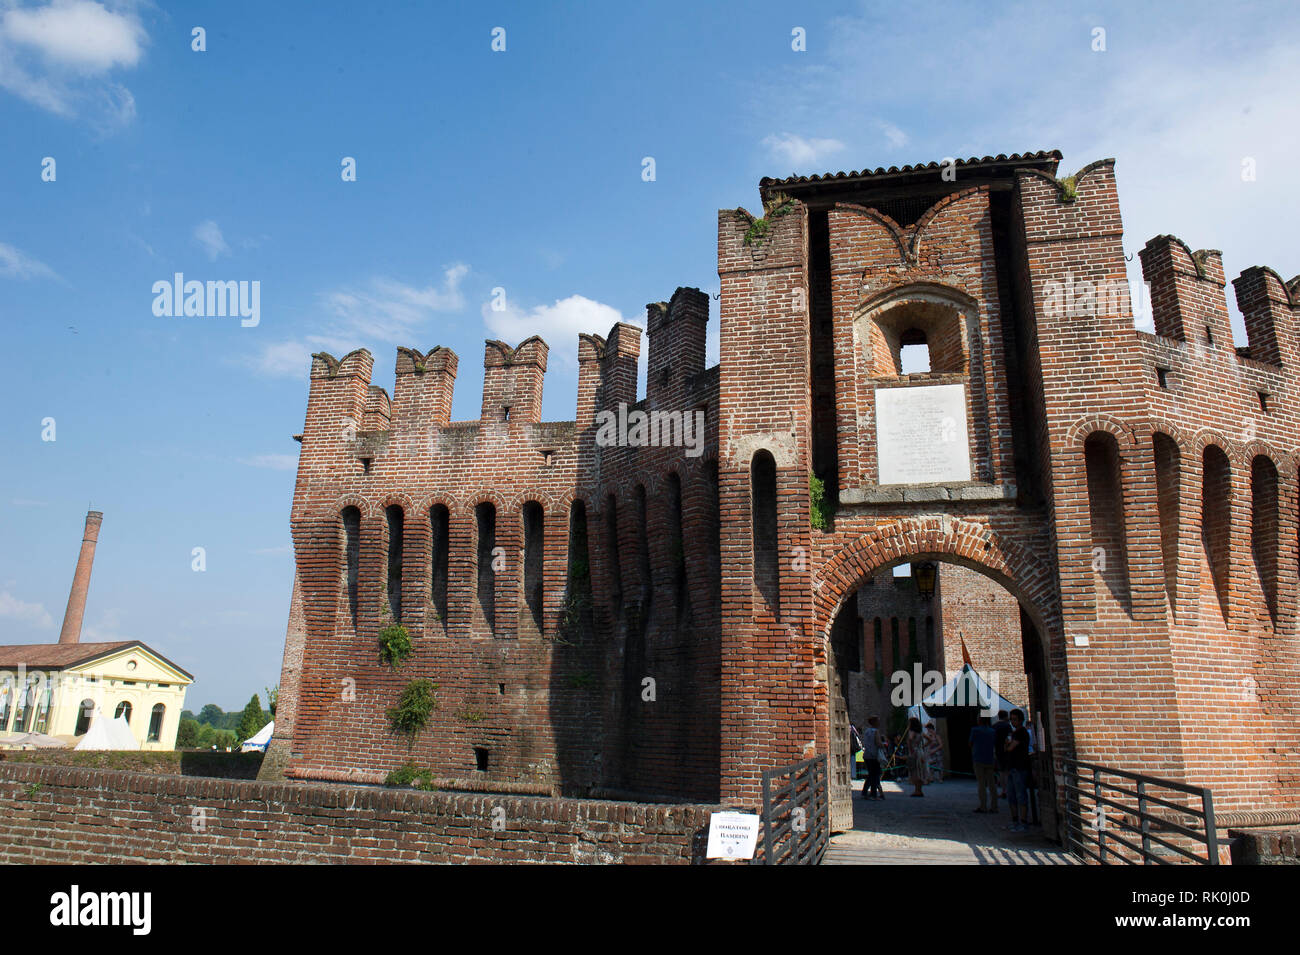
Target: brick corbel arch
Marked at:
922, 224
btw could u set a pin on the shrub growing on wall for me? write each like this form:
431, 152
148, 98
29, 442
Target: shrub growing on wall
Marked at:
394, 645
412, 711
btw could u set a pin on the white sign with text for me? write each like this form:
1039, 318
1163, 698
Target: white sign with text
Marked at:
921, 434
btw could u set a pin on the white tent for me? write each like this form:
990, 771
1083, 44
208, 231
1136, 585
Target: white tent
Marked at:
108, 734
968, 688
257, 742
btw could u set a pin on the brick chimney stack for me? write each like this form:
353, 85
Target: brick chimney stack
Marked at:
71, 632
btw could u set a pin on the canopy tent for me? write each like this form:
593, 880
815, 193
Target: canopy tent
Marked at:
967, 688
108, 734
257, 742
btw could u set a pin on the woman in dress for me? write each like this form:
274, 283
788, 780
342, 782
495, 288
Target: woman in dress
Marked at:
917, 756
934, 752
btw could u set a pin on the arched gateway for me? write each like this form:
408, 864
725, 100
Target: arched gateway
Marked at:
920, 364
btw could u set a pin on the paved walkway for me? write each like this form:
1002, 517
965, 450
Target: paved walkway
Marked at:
938, 829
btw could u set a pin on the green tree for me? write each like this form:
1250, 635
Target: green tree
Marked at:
211, 714
187, 734
251, 720
272, 697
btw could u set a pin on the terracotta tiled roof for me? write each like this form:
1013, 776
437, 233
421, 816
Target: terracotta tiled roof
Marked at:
1041, 157
57, 656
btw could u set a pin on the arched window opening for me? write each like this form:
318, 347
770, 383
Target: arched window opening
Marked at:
612, 550
84, 714
1168, 463
767, 563
921, 333
1109, 555
485, 517
396, 519
43, 707
1216, 521
534, 520
877, 646
677, 545
24, 706
123, 710
1264, 521
155, 723
895, 656
439, 558
577, 599
643, 553
351, 559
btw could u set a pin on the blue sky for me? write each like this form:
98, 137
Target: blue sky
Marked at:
476, 170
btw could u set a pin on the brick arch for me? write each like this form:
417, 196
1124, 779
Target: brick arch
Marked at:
1126, 435
1253, 449
515, 504
1207, 437
468, 503
353, 500
1152, 426
429, 501
653, 483
915, 291
399, 498
976, 546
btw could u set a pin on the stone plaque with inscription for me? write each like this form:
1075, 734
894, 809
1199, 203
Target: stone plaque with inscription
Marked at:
921, 434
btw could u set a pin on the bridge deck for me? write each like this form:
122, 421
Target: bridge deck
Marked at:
937, 829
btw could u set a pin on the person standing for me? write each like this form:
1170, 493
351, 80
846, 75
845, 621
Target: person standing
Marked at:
871, 749
855, 750
983, 754
934, 753
917, 756
1001, 730
1017, 750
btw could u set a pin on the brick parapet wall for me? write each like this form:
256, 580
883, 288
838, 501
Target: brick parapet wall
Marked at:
55, 814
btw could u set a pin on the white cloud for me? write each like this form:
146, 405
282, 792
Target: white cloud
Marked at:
16, 264
385, 311
208, 234
558, 325
798, 151
77, 33
273, 462
106, 630
895, 136
14, 609
59, 57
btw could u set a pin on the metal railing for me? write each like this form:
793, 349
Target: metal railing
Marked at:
796, 813
1116, 817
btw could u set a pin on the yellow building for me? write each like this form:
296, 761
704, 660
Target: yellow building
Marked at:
57, 689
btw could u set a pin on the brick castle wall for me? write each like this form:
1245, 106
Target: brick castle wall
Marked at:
662, 623
64, 815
